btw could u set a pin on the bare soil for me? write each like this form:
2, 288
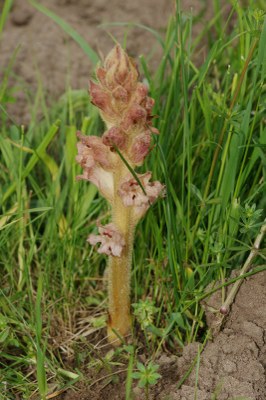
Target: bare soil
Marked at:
231, 367
233, 364
48, 54
50, 60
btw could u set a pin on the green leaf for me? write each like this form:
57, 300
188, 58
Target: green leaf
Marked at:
4, 13
4, 335
205, 67
141, 367
152, 379
142, 383
136, 375
178, 319
38, 154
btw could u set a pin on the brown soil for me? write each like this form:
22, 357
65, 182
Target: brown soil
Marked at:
231, 367
48, 55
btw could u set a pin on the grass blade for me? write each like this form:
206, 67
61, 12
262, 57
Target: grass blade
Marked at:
3, 16
69, 30
38, 154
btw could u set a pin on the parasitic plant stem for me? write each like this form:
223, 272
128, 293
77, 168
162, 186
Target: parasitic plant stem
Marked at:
108, 162
119, 269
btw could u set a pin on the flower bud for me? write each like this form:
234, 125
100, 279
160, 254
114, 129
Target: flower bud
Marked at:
115, 136
120, 69
122, 100
100, 98
140, 148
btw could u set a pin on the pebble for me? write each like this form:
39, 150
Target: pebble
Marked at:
21, 16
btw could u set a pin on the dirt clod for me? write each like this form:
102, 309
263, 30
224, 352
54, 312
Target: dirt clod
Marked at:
22, 15
232, 365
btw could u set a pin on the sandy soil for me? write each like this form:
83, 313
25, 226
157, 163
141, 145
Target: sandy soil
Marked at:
232, 366
48, 55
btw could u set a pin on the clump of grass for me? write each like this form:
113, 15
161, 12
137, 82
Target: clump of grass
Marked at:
210, 154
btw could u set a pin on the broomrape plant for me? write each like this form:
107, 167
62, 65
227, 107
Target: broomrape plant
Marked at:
109, 163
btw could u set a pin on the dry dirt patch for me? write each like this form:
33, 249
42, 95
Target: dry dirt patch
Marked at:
232, 366
48, 55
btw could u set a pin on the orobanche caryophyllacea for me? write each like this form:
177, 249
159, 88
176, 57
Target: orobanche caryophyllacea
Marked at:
109, 162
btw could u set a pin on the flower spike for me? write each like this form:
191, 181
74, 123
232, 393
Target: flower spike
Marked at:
126, 109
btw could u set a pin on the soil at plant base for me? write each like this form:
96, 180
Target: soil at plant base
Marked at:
231, 367
46, 54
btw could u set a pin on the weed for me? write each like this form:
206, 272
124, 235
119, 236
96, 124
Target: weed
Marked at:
147, 376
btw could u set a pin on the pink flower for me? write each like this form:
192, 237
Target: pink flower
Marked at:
134, 117
115, 136
120, 69
153, 130
140, 97
102, 179
111, 103
92, 148
112, 241
98, 163
122, 100
140, 94
133, 195
140, 148
120, 94
100, 98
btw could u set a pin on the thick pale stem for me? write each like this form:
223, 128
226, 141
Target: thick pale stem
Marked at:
120, 269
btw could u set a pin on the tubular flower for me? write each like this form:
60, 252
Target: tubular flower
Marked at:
92, 150
98, 162
115, 136
112, 241
140, 148
126, 109
139, 196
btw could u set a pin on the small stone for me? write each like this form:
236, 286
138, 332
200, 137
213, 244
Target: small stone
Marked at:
138, 393
228, 331
21, 16
166, 360
229, 367
224, 310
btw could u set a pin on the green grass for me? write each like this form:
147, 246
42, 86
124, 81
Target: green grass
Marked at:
211, 156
